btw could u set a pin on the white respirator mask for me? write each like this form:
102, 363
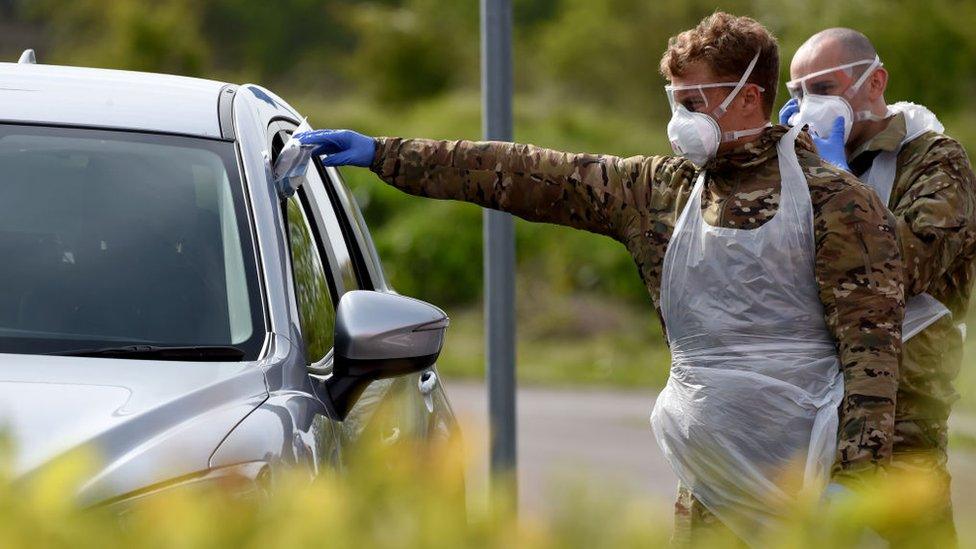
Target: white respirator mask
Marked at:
695, 134
818, 111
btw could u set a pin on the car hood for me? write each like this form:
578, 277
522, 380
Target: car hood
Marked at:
143, 421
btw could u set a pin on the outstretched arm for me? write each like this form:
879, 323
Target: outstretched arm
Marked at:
597, 193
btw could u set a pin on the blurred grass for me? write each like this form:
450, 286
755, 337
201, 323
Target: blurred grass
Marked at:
966, 382
553, 350
376, 501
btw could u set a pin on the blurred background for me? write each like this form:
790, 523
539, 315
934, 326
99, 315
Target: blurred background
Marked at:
586, 79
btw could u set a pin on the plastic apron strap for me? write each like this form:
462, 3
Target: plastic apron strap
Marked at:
691, 209
921, 311
793, 183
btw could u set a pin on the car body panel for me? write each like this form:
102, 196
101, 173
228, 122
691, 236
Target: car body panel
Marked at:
50, 94
143, 420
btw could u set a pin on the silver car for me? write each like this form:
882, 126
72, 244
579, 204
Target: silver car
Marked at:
167, 303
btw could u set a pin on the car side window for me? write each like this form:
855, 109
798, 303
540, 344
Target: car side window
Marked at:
342, 259
358, 236
316, 309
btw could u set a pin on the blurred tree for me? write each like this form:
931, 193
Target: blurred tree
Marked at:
928, 47
414, 49
608, 52
160, 36
439, 246
301, 39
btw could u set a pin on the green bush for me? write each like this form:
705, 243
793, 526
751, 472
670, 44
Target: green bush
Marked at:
435, 249
126, 34
403, 497
411, 51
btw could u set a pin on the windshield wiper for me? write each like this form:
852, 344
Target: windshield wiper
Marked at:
200, 353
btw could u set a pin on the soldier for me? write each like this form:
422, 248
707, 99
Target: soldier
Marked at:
926, 180
777, 277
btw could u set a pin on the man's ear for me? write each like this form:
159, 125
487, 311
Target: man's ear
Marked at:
877, 83
752, 99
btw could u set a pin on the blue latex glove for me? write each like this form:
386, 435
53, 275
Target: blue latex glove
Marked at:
834, 492
831, 148
789, 109
343, 147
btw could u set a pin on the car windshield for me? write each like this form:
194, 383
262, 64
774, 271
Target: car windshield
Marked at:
122, 238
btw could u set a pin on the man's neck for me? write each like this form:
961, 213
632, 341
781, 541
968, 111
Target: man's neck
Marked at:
731, 145
868, 129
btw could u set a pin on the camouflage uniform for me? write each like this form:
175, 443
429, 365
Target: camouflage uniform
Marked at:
934, 201
637, 201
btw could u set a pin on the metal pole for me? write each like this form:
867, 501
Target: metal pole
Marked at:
499, 254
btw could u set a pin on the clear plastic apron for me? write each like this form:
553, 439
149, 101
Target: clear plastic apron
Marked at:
749, 413
921, 310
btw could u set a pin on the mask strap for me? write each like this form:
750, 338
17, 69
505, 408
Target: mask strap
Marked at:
861, 116
720, 110
738, 134
860, 81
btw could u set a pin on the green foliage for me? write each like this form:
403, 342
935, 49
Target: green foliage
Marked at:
607, 52
603, 52
576, 340
163, 36
412, 51
270, 40
377, 501
440, 249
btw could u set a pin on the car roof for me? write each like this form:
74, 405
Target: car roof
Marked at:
77, 96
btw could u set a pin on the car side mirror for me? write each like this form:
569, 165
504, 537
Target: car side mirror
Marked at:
377, 336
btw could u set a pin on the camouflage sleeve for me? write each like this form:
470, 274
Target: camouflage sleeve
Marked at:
859, 273
936, 212
596, 193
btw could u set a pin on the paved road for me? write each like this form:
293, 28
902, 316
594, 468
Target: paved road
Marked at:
603, 437
600, 437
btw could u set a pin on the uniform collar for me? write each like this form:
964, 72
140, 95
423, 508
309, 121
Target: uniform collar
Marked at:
756, 152
888, 139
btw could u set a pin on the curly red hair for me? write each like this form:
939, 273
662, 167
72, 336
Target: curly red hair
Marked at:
727, 43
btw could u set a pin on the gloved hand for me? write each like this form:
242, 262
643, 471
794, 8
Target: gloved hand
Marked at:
831, 148
834, 492
789, 109
343, 147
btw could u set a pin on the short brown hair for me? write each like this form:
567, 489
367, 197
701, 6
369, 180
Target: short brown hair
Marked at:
727, 43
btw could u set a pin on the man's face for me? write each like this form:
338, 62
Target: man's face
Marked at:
699, 99
705, 100
811, 60
822, 57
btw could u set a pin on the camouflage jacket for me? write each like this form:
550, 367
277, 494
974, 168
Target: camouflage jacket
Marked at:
933, 199
637, 201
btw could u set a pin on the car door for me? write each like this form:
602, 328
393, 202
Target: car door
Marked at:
317, 292
434, 419
412, 408
291, 427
